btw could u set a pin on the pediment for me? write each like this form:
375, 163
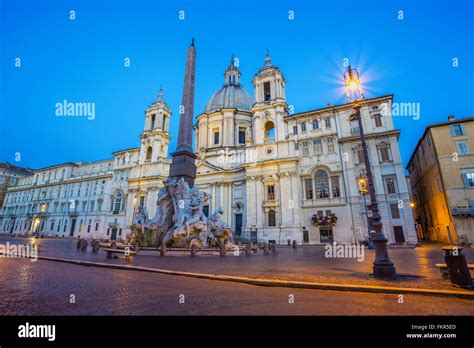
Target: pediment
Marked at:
204, 167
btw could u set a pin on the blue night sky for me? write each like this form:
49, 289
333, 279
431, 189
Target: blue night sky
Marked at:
83, 61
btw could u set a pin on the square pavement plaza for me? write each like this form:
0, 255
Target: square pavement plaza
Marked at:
415, 266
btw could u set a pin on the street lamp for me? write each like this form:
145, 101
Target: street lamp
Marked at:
383, 266
362, 181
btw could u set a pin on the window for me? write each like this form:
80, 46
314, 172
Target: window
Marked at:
394, 211
118, 202
315, 124
241, 135
271, 218
303, 126
164, 122
390, 185
438, 183
327, 122
321, 184
336, 191
295, 129
305, 148
360, 155
331, 144
463, 147
378, 120
468, 178
297, 146
457, 130
216, 137
355, 128
384, 153
152, 123
308, 188
271, 192
91, 205
317, 146
266, 91
96, 226
269, 130
149, 153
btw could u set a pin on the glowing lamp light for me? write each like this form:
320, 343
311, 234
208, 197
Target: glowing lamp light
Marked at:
363, 185
352, 84
412, 205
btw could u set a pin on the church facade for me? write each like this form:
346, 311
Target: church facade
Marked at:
277, 176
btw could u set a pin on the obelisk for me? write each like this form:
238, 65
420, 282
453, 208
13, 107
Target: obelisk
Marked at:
182, 165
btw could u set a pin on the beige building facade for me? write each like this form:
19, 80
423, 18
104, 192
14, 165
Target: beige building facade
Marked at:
442, 178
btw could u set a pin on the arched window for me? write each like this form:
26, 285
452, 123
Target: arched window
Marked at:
269, 130
117, 202
315, 124
152, 123
321, 184
149, 153
271, 218
164, 122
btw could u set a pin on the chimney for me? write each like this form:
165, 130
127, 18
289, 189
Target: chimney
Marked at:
451, 118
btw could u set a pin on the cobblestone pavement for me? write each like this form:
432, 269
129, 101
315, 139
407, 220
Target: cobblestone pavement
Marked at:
415, 267
45, 288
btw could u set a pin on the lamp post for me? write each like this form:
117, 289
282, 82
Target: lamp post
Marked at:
362, 180
383, 266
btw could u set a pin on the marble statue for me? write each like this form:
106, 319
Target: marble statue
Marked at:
179, 220
218, 228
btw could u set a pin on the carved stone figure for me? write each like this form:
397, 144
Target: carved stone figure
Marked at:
218, 228
141, 216
179, 220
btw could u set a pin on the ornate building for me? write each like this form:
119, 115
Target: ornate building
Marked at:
277, 176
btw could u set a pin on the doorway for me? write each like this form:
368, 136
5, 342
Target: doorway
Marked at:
238, 224
398, 232
114, 234
326, 235
73, 226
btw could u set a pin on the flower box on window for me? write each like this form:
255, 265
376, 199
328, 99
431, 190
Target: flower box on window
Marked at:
317, 220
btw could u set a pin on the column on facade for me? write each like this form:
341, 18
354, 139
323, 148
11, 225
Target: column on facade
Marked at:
286, 208
259, 201
295, 197
229, 203
250, 201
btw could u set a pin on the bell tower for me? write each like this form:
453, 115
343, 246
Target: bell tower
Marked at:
155, 136
269, 84
270, 103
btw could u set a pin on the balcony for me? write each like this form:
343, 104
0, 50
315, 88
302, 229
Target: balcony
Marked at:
463, 211
270, 203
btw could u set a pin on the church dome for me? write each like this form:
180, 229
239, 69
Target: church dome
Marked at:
232, 95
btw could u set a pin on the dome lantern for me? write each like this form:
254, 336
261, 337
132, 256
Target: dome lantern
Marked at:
232, 95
